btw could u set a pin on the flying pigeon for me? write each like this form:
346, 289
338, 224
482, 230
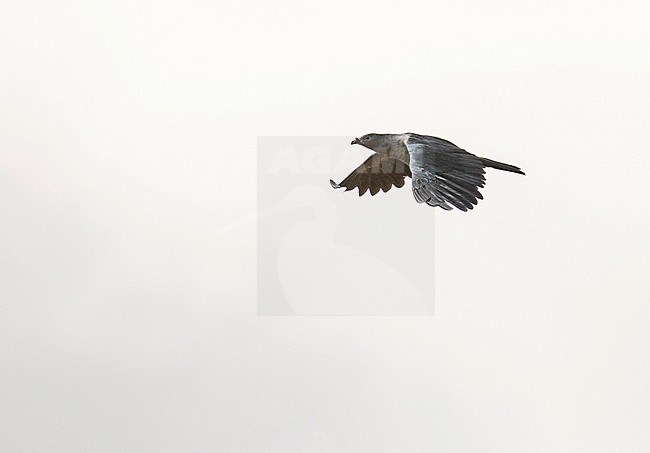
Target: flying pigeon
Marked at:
443, 174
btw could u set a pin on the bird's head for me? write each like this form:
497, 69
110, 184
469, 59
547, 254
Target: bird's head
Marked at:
374, 142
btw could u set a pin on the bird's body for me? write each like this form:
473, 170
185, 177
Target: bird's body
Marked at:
443, 174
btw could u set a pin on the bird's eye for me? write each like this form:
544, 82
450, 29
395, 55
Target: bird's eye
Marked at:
365, 139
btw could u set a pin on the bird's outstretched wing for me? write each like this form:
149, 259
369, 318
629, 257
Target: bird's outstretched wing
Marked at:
443, 174
377, 172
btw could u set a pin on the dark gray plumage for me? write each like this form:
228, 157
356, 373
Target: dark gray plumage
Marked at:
443, 174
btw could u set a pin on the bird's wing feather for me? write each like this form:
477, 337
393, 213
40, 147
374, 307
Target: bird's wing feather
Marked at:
443, 174
378, 172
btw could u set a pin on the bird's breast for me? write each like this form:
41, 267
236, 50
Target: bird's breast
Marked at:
399, 152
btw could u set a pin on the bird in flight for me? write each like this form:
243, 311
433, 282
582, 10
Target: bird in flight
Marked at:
443, 174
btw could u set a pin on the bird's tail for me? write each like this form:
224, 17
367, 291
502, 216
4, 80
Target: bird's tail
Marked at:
501, 166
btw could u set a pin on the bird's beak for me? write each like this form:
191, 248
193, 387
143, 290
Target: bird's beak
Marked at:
355, 142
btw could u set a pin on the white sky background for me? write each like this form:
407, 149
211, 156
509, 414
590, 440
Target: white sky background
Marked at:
127, 149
